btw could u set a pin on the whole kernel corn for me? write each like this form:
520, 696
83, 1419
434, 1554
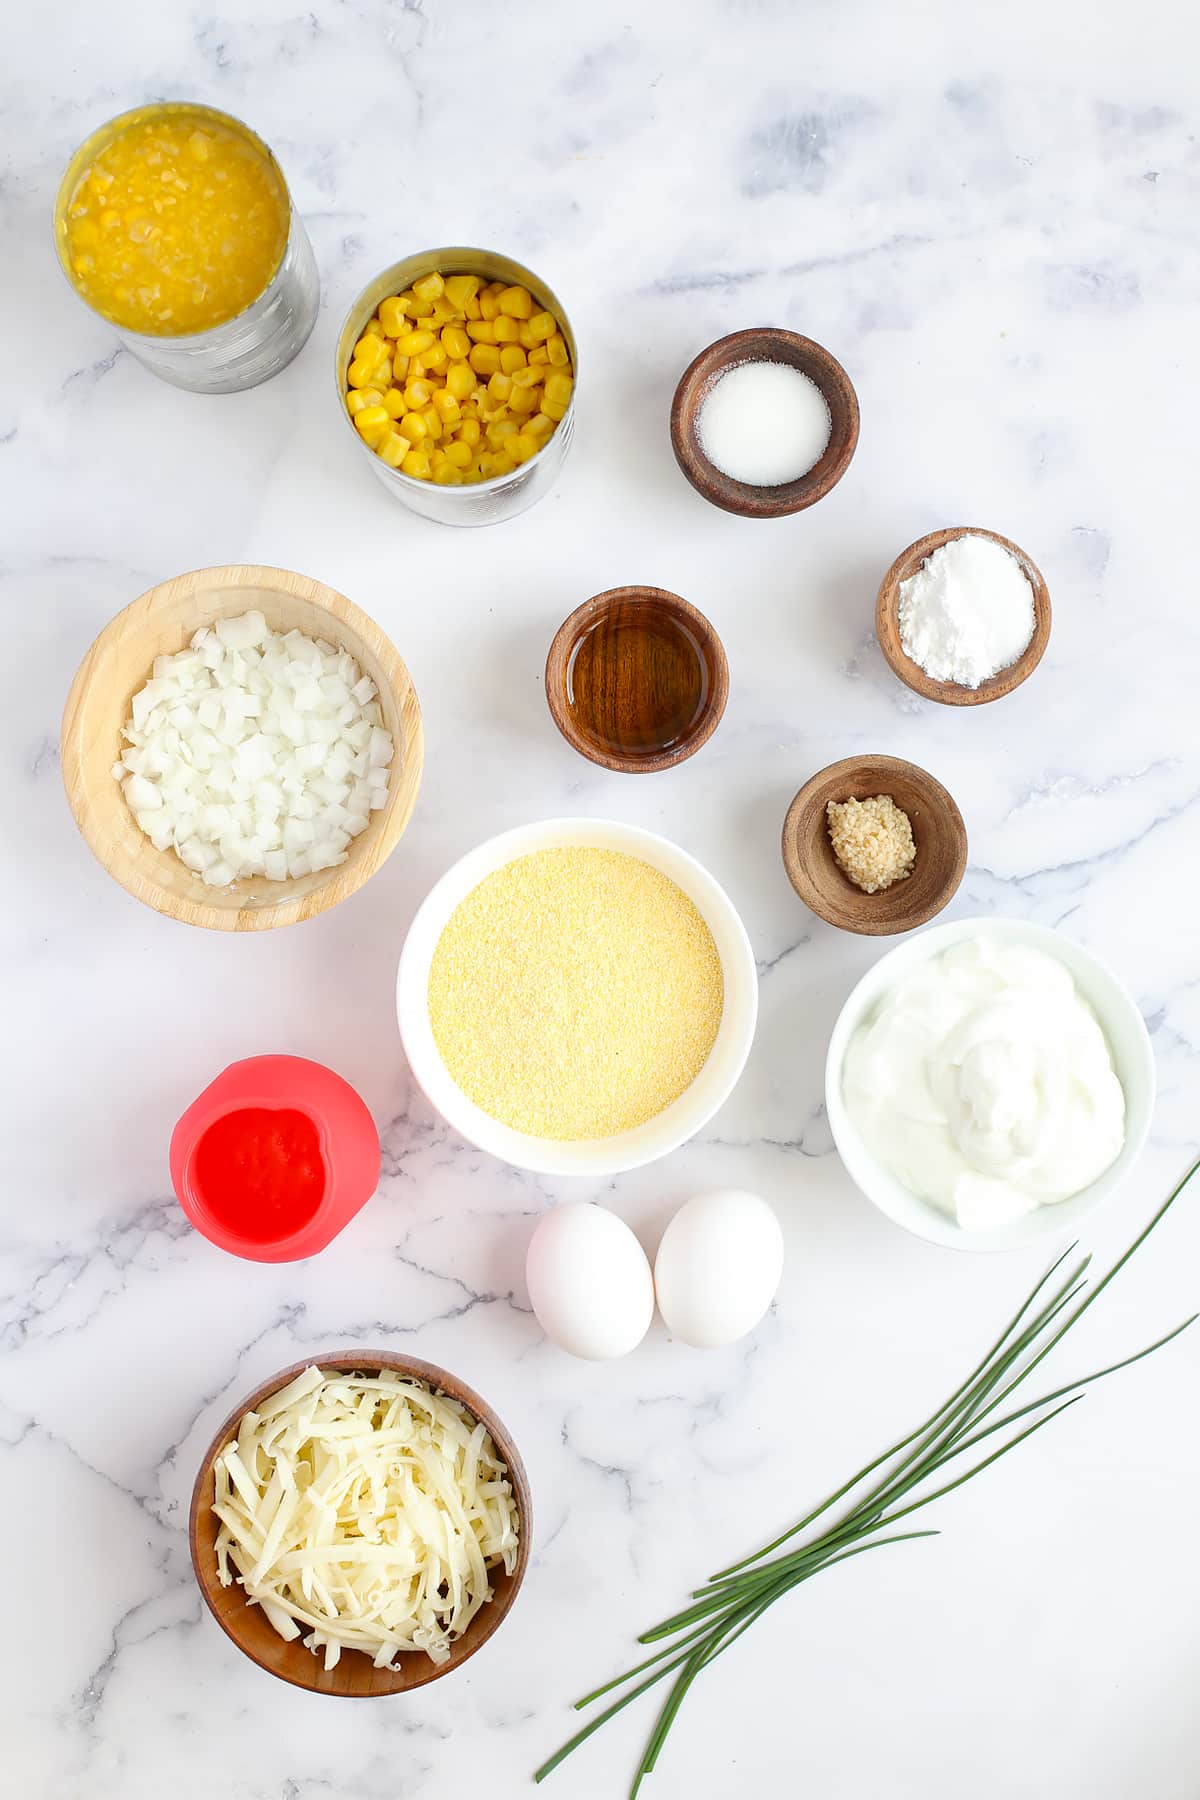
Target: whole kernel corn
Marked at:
460, 379
394, 449
373, 424
455, 380
484, 359
461, 288
391, 317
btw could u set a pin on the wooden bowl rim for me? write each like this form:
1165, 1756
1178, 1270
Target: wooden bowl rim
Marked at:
744, 498
558, 661
939, 798
489, 1618
353, 874
887, 623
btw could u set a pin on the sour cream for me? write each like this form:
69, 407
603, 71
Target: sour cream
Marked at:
984, 1082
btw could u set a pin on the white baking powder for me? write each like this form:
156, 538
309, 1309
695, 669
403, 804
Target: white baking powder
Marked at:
764, 423
967, 613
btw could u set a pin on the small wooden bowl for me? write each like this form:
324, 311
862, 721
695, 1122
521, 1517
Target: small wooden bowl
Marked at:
887, 623
119, 663
616, 608
355, 1675
938, 832
765, 343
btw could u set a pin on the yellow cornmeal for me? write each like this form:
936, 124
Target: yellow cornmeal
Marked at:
177, 224
575, 993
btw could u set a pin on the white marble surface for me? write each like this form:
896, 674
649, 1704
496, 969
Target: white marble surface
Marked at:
990, 214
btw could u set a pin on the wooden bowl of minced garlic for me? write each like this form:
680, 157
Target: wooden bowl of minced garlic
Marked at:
874, 845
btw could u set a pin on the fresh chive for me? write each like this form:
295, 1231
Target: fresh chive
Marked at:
731, 1601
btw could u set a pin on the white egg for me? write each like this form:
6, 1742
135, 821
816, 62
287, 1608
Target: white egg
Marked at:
589, 1282
718, 1267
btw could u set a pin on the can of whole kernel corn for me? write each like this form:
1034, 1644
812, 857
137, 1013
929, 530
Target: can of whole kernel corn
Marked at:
485, 502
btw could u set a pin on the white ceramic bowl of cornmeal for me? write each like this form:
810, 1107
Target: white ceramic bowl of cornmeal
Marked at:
436, 999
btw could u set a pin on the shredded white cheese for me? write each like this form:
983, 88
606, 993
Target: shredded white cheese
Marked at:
365, 1511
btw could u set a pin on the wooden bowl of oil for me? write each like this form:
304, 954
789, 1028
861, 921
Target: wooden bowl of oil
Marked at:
637, 679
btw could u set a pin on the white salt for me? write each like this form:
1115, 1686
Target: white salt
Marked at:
764, 423
968, 611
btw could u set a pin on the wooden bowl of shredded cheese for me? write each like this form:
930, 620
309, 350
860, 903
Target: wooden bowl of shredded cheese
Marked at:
360, 1525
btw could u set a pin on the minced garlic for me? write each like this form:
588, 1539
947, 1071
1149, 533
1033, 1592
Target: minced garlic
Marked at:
872, 840
575, 993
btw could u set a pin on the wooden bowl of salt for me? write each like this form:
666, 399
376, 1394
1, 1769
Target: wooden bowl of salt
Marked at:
769, 498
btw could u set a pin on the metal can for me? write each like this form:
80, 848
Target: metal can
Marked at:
483, 502
264, 337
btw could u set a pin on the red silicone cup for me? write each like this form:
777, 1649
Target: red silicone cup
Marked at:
274, 1158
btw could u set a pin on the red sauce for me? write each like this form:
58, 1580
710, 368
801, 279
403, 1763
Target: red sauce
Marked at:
260, 1173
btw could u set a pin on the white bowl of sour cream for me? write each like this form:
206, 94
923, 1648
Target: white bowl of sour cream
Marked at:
989, 1082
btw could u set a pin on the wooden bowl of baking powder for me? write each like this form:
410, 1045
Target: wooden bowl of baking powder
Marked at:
953, 693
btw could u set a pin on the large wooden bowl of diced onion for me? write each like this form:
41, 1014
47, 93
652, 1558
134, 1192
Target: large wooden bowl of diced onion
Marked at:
119, 664
290, 1427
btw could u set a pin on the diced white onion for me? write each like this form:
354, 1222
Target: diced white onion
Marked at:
254, 752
